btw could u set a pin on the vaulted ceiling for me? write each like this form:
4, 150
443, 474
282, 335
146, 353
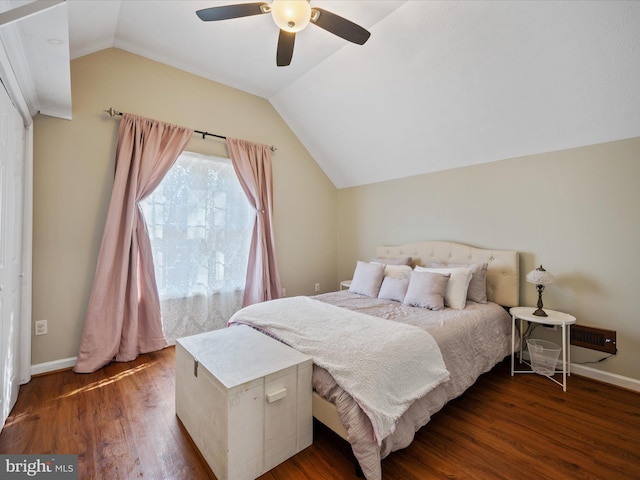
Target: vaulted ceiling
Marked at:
439, 85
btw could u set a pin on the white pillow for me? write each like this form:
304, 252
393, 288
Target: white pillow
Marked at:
477, 290
426, 290
456, 295
367, 279
393, 289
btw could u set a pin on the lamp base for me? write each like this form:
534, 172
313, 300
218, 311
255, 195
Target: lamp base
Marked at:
539, 312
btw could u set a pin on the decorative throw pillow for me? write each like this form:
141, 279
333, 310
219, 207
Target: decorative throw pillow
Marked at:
367, 279
426, 290
393, 289
456, 295
392, 261
477, 291
398, 271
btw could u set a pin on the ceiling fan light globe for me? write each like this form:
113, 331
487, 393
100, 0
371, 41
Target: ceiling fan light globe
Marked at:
291, 15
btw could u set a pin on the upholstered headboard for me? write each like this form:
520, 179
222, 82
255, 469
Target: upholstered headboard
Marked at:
503, 281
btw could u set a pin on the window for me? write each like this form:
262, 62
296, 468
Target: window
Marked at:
200, 225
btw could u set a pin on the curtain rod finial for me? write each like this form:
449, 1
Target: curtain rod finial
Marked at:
112, 112
273, 148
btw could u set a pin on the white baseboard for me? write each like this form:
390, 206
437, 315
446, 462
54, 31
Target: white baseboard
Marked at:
52, 366
595, 374
606, 377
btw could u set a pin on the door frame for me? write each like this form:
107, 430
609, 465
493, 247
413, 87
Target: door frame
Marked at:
12, 86
24, 367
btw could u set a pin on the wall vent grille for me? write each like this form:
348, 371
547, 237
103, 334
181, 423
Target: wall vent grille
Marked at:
594, 338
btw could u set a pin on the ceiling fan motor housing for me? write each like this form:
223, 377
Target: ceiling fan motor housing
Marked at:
291, 15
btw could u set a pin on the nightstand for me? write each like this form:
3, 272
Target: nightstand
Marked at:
554, 318
345, 284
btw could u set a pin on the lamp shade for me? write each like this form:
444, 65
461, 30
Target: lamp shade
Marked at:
540, 276
291, 15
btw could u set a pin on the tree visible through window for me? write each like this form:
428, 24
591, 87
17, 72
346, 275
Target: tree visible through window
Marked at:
200, 225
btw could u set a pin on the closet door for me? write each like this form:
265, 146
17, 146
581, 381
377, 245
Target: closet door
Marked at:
11, 218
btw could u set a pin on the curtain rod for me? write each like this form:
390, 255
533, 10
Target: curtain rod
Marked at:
113, 113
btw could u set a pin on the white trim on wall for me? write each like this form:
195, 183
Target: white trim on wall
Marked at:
592, 373
53, 366
27, 259
599, 375
12, 85
606, 377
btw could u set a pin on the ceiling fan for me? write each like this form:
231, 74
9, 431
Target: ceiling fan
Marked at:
290, 16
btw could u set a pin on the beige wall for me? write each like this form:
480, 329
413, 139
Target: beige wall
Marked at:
577, 212
73, 171
574, 211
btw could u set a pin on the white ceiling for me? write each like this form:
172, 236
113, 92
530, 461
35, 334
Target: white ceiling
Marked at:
439, 85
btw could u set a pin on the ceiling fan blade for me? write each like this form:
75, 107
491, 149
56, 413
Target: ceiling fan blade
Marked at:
286, 41
339, 26
227, 12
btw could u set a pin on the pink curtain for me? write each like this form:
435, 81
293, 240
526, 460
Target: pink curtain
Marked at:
252, 163
123, 316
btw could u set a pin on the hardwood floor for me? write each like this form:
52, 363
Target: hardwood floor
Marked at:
121, 422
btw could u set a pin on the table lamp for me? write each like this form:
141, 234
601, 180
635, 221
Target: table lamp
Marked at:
540, 277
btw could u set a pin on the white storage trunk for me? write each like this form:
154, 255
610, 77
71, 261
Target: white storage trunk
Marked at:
244, 398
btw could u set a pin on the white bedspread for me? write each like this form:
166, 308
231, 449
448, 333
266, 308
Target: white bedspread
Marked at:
385, 366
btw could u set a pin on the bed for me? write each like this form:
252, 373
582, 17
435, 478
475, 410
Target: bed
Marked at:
460, 338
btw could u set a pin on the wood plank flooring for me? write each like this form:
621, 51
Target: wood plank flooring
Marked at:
121, 422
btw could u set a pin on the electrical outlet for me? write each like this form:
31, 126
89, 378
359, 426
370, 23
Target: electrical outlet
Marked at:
284, 292
317, 287
41, 327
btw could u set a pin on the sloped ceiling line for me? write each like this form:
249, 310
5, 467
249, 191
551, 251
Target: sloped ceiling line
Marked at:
451, 83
